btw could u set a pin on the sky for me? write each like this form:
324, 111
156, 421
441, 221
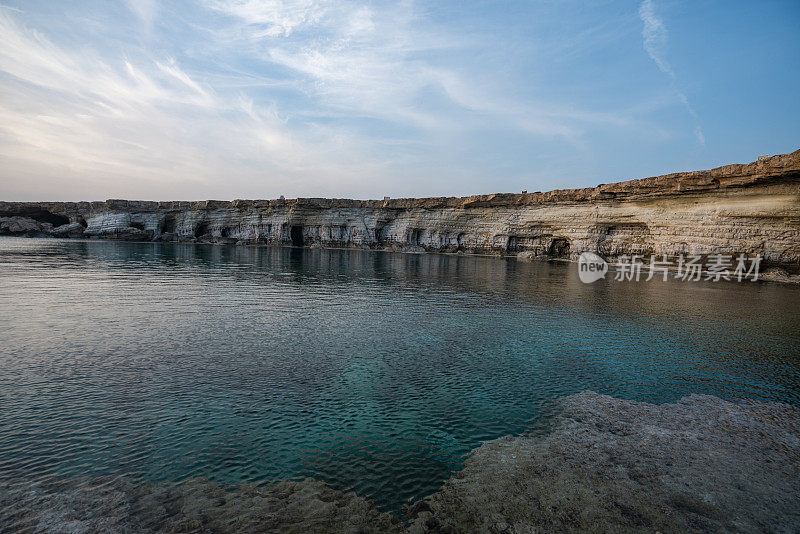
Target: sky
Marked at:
226, 99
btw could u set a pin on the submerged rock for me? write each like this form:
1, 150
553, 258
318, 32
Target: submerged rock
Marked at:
92, 504
779, 275
610, 465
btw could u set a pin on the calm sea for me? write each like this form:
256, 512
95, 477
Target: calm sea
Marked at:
370, 370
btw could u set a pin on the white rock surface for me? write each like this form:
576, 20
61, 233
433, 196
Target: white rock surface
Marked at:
750, 209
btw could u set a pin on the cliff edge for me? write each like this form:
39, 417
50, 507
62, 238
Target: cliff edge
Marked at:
749, 208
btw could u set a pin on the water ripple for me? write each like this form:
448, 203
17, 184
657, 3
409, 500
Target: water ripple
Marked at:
372, 371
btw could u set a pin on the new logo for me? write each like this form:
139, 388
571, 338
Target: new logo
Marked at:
591, 267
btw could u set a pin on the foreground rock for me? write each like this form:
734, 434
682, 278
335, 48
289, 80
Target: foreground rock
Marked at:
736, 209
701, 465
89, 505
23, 226
608, 465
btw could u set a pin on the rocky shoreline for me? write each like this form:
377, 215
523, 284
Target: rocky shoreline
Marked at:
702, 464
736, 209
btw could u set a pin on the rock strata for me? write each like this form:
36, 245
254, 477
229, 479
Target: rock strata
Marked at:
751, 208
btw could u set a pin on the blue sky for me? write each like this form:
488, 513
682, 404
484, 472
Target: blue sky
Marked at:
148, 99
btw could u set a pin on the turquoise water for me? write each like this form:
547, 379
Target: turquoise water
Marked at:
370, 370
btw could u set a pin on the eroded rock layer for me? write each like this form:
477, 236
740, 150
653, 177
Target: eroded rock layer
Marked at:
752, 208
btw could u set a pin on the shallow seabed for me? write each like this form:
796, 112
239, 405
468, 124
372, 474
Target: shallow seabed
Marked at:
370, 371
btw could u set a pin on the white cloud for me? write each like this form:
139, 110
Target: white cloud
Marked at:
272, 17
255, 98
655, 38
364, 60
146, 10
82, 117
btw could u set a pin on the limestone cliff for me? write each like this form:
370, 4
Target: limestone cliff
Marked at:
750, 208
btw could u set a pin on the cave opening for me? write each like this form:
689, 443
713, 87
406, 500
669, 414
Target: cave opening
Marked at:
201, 230
559, 248
296, 234
380, 234
413, 236
168, 225
512, 244
137, 225
39, 215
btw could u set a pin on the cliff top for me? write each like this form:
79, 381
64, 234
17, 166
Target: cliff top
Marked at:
727, 176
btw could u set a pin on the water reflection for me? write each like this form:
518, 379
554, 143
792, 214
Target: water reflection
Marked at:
370, 370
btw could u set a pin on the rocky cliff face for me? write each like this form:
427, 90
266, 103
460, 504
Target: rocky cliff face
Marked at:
752, 208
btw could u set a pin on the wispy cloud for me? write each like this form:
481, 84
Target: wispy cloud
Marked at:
298, 97
148, 121
655, 38
367, 61
272, 17
146, 10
